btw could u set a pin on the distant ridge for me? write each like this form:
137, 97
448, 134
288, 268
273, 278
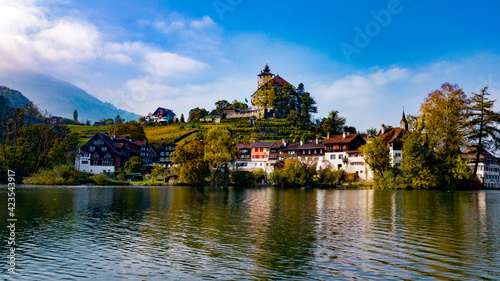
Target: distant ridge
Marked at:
61, 98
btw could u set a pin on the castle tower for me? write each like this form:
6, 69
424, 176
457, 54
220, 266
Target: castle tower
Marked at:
264, 76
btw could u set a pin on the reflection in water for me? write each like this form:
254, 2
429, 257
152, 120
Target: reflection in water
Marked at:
200, 233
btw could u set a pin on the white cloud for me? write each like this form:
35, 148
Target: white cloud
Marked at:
68, 40
164, 64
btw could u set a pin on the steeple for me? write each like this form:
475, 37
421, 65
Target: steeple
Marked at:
403, 124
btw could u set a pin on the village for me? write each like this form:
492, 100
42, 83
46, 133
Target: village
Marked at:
105, 153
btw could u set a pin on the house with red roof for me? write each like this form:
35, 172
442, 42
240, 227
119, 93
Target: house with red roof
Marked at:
343, 152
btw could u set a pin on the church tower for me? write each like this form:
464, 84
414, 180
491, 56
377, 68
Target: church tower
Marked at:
403, 124
264, 76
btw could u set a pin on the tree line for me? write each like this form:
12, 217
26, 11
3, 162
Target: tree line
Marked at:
447, 124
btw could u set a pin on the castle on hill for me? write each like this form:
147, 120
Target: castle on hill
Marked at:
255, 111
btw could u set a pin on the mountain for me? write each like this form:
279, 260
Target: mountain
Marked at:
16, 99
61, 98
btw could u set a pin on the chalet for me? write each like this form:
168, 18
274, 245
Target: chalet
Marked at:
289, 152
129, 148
54, 120
339, 147
488, 170
393, 137
244, 155
260, 154
165, 154
99, 155
313, 150
161, 115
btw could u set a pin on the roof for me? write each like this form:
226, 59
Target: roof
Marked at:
277, 80
262, 144
243, 145
278, 144
141, 142
313, 145
108, 141
292, 146
165, 110
471, 153
393, 135
266, 71
337, 139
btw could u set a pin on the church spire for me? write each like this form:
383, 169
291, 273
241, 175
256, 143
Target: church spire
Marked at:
404, 123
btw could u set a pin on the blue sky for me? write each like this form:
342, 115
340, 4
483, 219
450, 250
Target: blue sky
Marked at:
366, 59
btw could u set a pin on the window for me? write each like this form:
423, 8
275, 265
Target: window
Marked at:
315, 151
85, 162
398, 164
104, 148
332, 157
92, 148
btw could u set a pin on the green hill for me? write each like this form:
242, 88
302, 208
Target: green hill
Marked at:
16, 99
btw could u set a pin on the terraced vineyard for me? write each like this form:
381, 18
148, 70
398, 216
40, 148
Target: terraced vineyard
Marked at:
168, 133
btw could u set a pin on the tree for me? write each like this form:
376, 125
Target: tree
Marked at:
483, 124
132, 129
196, 114
220, 151
239, 104
118, 119
442, 116
157, 171
191, 165
371, 131
377, 156
87, 123
134, 164
265, 95
182, 118
308, 107
142, 119
285, 100
419, 165
222, 105
333, 124
75, 115
350, 129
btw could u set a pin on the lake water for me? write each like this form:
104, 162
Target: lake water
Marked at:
188, 233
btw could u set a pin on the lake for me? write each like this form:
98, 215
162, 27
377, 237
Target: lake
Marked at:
189, 233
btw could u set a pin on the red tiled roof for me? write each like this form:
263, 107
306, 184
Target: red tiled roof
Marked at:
393, 135
340, 139
141, 142
277, 144
277, 80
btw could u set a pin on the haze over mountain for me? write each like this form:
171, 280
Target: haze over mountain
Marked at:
61, 98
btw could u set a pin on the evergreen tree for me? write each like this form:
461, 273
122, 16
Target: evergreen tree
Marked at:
182, 118
75, 115
333, 124
483, 124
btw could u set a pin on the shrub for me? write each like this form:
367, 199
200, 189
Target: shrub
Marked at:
259, 176
60, 175
329, 176
101, 179
241, 178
